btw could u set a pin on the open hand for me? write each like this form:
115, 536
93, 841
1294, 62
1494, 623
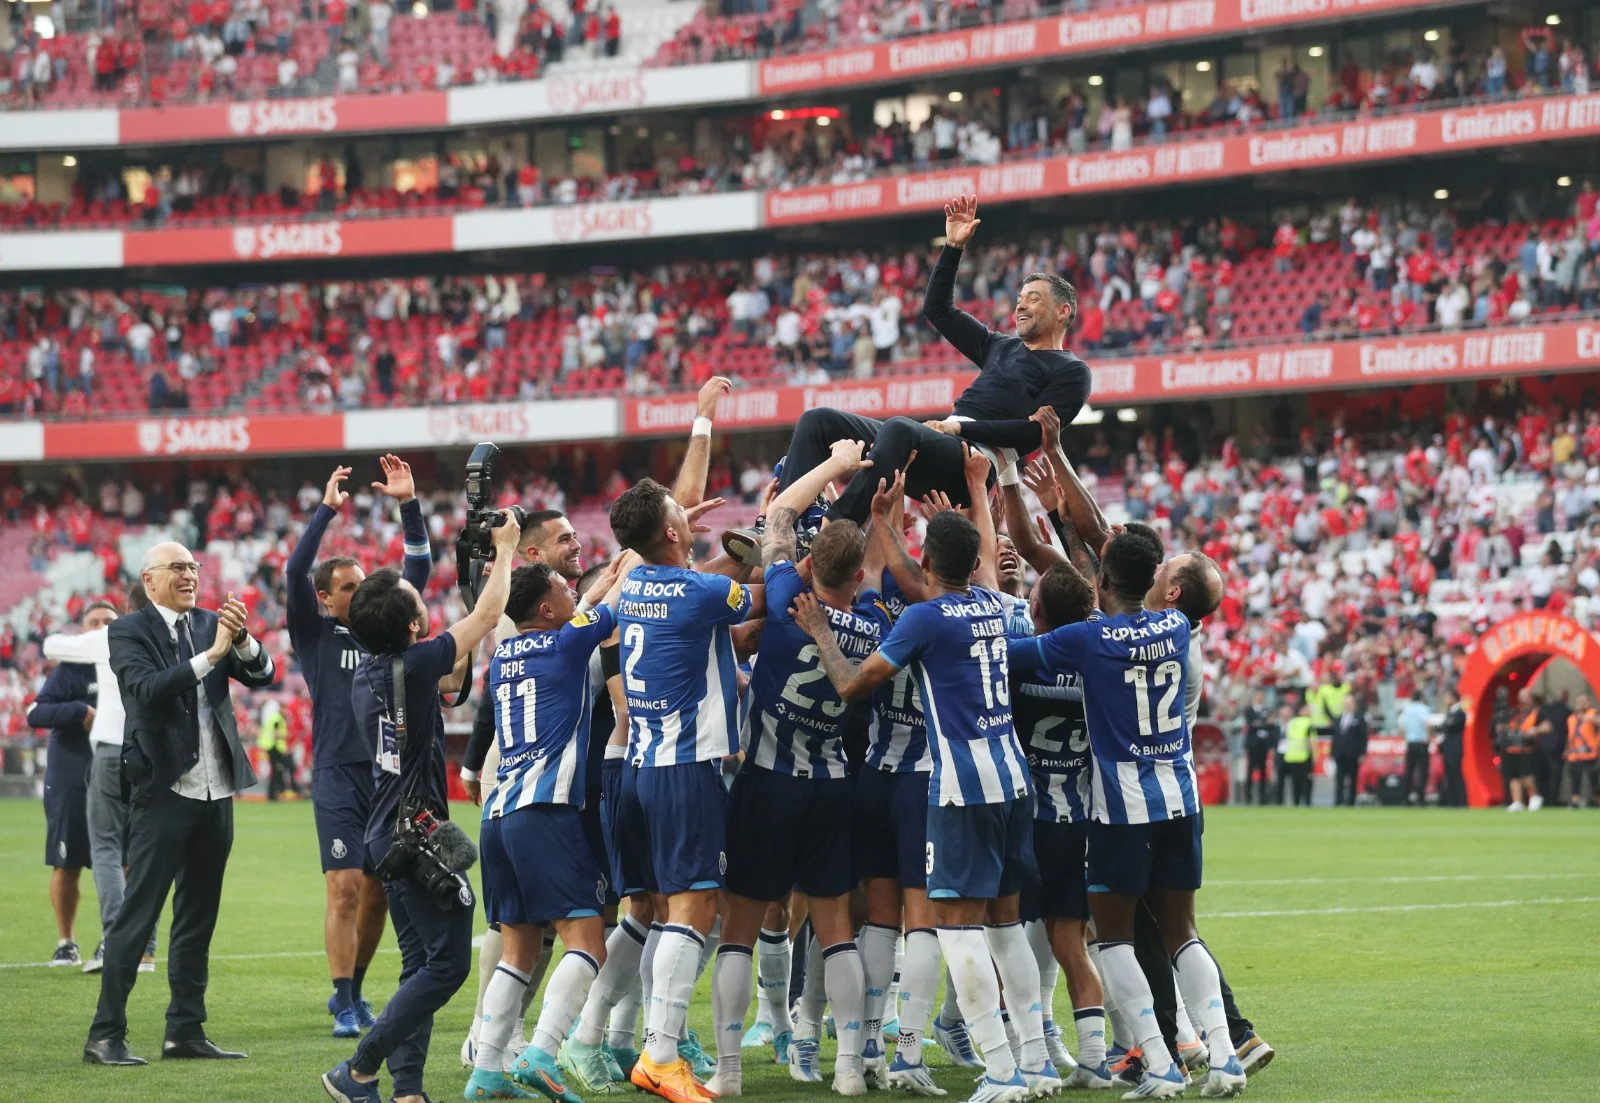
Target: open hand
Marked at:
961, 220
976, 466
696, 512
948, 427
935, 502
333, 495
397, 483
1038, 478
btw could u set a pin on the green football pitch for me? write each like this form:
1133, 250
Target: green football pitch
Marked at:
1400, 953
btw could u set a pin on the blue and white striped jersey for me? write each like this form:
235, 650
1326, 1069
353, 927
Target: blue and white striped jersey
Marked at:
897, 736
1048, 714
796, 719
955, 645
543, 689
678, 668
1134, 666
1019, 618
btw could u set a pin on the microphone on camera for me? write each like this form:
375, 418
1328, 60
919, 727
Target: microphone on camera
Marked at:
453, 846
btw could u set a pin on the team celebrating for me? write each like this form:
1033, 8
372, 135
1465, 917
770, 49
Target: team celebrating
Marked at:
810, 752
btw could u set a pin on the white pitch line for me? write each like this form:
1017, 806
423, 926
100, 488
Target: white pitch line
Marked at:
214, 957
1416, 880
1362, 909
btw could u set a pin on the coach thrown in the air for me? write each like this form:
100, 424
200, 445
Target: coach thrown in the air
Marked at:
181, 765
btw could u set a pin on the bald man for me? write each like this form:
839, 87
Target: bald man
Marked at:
182, 763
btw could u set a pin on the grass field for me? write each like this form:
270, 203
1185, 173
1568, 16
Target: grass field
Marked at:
1409, 953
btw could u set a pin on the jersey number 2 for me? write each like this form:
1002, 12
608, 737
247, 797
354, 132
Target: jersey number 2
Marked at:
633, 639
1168, 674
791, 690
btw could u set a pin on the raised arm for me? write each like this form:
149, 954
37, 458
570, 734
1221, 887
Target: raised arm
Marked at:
302, 605
690, 489
852, 681
1039, 554
470, 630
1077, 504
399, 485
888, 506
85, 647
970, 336
846, 459
977, 469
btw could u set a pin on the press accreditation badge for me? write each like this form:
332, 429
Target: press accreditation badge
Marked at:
388, 747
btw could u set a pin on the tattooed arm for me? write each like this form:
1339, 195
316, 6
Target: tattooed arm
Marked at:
780, 544
852, 681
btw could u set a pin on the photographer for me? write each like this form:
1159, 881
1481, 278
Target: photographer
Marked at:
414, 852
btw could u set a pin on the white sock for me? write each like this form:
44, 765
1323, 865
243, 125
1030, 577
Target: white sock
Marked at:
563, 997
488, 958
919, 984
891, 1003
1120, 968
546, 952
1019, 972
971, 970
730, 1000
501, 999
672, 986
774, 965
622, 1027
950, 1010
841, 976
647, 965
813, 995
1201, 986
1122, 1029
1184, 1026
1049, 968
1091, 1026
623, 946
876, 944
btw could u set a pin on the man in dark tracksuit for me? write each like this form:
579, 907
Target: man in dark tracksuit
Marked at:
65, 705
1018, 375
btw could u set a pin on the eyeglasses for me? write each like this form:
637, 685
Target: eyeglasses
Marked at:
180, 568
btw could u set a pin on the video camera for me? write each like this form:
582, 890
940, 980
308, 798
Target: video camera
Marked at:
475, 544
433, 852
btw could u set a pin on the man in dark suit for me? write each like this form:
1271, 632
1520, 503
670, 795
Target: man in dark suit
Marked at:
182, 762
1349, 748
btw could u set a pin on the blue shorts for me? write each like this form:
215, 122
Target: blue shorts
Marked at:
66, 821
787, 832
537, 867
672, 819
611, 773
341, 801
980, 851
891, 827
1062, 891
594, 831
1133, 858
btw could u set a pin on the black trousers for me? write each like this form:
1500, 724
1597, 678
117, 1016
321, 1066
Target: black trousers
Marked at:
178, 844
1298, 775
1151, 950
281, 777
1347, 768
939, 466
1256, 776
1454, 794
1417, 771
435, 960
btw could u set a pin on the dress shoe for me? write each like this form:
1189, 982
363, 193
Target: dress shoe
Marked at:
198, 1049
110, 1052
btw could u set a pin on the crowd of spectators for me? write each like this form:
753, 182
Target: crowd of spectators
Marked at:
160, 51
1370, 547
1355, 269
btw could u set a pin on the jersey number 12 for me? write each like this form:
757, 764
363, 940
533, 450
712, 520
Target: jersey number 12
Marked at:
1168, 674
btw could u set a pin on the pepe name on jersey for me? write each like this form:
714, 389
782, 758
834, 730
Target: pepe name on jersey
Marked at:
956, 646
542, 687
678, 667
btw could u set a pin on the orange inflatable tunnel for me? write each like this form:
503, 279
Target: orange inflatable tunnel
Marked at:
1510, 654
